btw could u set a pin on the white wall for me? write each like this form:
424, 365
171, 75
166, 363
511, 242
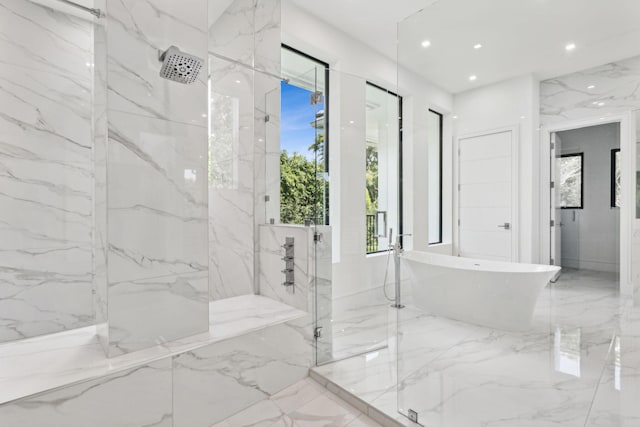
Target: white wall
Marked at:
591, 236
353, 63
511, 103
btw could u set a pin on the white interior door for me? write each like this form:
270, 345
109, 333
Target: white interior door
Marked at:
556, 211
487, 203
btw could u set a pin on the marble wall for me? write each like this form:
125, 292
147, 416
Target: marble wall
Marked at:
200, 387
244, 57
616, 91
141, 396
568, 98
313, 289
45, 170
156, 179
217, 381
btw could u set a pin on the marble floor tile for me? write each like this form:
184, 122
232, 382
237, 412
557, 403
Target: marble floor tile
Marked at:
297, 395
325, 410
579, 363
305, 403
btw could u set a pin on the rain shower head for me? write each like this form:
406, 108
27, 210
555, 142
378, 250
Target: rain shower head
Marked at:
179, 66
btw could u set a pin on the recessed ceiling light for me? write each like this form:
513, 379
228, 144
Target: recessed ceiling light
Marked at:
600, 104
204, 115
591, 87
238, 81
351, 122
426, 43
477, 46
455, 117
473, 78
569, 47
522, 117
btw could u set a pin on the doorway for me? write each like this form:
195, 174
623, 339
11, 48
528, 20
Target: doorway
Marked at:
585, 199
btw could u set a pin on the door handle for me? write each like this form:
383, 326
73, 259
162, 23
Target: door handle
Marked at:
506, 226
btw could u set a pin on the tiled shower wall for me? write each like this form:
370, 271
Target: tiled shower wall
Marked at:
46, 178
244, 60
156, 181
152, 260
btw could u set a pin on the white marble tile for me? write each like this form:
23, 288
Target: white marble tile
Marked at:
148, 312
231, 29
158, 187
57, 360
248, 312
454, 373
363, 421
272, 239
245, 370
45, 171
132, 398
567, 97
267, 37
39, 38
325, 410
231, 181
264, 413
297, 395
137, 30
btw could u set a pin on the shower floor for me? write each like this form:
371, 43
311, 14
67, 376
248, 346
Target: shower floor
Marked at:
363, 328
578, 365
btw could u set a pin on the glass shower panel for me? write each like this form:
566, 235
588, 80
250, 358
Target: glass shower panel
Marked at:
382, 161
272, 156
637, 128
351, 308
301, 146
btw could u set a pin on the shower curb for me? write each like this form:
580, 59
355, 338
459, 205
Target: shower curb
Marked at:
365, 407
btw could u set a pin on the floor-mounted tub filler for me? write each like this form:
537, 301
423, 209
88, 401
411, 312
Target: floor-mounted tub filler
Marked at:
495, 294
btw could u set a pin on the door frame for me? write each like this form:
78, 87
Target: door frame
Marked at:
627, 209
515, 187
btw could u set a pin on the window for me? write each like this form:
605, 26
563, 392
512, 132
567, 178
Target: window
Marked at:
383, 165
304, 139
615, 178
434, 159
571, 181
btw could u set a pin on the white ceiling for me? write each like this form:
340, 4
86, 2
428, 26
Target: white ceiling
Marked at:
518, 36
373, 22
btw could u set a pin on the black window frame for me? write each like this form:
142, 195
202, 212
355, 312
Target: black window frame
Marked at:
581, 155
613, 177
400, 174
327, 144
440, 148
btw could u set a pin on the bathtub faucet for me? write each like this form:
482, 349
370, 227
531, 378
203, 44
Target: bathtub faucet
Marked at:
397, 251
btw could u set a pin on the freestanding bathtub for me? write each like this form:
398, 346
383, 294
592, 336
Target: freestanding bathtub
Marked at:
495, 294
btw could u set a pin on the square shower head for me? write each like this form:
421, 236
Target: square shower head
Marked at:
179, 66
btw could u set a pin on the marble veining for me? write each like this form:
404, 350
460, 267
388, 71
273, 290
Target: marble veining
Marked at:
145, 28
244, 370
45, 171
616, 86
272, 237
301, 404
135, 397
44, 363
575, 367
